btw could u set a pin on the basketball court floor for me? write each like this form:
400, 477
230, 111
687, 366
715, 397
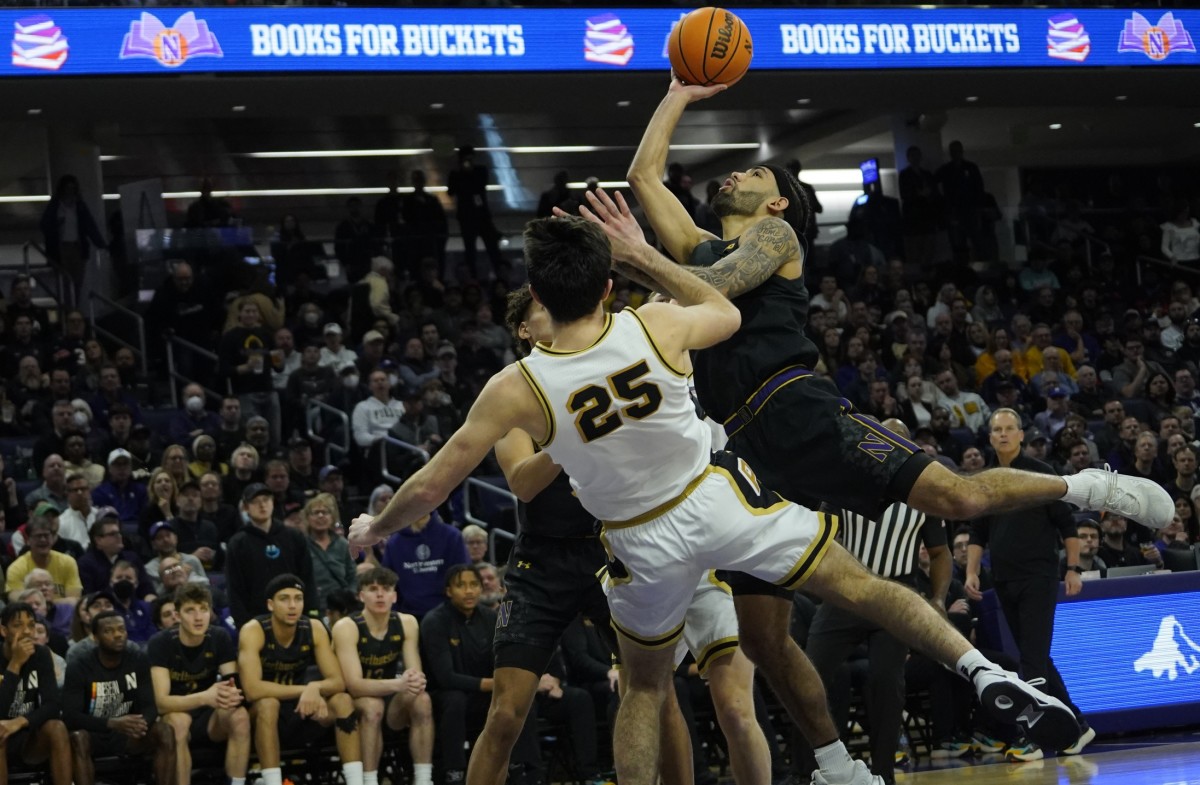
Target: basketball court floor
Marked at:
1168, 760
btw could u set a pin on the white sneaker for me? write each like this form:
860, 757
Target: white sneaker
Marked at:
862, 776
1044, 720
1086, 738
1144, 501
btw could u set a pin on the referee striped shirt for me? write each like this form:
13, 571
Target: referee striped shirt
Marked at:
888, 547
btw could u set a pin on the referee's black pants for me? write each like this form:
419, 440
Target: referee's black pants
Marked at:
834, 634
1028, 607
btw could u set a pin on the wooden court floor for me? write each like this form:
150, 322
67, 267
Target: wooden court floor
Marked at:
1160, 764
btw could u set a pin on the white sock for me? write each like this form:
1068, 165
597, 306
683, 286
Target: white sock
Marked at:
272, 776
967, 663
422, 774
835, 762
237, 781
353, 772
371, 777
1078, 491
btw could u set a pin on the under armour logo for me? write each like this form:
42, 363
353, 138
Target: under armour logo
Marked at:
1030, 716
523, 565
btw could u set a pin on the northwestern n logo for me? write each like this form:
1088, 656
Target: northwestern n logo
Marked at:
503, 613
875, 446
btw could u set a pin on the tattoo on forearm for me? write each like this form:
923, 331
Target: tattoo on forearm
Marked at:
763, 250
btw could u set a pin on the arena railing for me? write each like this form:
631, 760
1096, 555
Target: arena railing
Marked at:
1150, 261
494, 532
313, 430
63, 292
392, 441
175, 376
139, 322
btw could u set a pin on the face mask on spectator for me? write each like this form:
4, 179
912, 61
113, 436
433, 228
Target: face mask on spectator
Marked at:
123, 590
195, 404
351, 381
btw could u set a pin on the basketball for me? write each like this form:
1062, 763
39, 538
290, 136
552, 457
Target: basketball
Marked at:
710, 46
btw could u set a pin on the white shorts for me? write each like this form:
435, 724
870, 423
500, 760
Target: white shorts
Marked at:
710, 627
724, 519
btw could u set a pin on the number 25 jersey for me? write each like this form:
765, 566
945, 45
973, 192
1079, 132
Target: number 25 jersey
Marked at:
620, 420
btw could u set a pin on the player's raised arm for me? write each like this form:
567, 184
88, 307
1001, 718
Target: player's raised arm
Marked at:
672, 224
763, 250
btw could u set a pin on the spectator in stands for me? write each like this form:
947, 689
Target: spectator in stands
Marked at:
165, 615
284, 359
181, 308
275, 652
76, 460
277, 477
194, 420
30, 704
120, 430
164, 541
1115, 549
476, 540
1078, 456
193, 666
334, 353
76, 520
204, 451
1130, 377
967, 409
476, 362
230, 432
310, 381
421, 555
302, 476
331, 563
378, 650
418, 428
1185, 390
54, 485
70, 547
107, 549
142, 454
1145, 460
1091, 393
244, 466
119, 491
492, 588
258, 436
244, 361
260, 551
460, 674
468, 185
1108, 437
160, 501
1160, 395
20, 343
59, 389
458, 388
111, 392
1036, 445
41, 555
972, 461
416, 366
426, 221
376, 416
381, 495
66, 350
21, 304
354, 240
225, 517
379, 283
108, 704
371, 354
1053, 373
331, 480
1181, 237
1004, 373
1052, 419
1184, 464
29, 394
922, 211
123, 583
1088, 532
58, 610
491, 336
197, 534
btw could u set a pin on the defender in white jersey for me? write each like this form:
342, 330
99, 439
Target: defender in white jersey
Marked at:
718, 517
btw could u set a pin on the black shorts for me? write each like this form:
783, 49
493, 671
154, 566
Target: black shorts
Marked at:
550, 581
296, 732
199, 730
14, 746
810, 445
110, 743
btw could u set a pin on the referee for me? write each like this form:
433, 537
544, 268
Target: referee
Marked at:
1024, 546
888, 547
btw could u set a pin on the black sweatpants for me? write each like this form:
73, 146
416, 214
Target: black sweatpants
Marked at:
834, 634
1028, 607
457, 712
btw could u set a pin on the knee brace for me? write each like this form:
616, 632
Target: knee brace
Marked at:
347, 724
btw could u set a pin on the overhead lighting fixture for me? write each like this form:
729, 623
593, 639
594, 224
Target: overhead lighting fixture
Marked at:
622, 103
1122, 97
105, 158
1055, 126
255, 192
1195, 125
603, 184
972, 99
519, 150
34, 111
804, 101
239, 108
437, 106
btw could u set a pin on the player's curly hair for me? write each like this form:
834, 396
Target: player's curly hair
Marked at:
516, 307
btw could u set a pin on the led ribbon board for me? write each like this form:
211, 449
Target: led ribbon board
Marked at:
159, 40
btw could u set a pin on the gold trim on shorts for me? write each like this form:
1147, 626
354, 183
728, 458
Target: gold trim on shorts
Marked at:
813, 554
653, 644
715, 651
665, 507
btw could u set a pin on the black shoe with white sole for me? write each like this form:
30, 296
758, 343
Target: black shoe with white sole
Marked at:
1044, 720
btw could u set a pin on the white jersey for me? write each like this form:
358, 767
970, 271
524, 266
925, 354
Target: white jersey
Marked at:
619, 419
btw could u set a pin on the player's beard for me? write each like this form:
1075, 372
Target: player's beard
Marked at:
725, 203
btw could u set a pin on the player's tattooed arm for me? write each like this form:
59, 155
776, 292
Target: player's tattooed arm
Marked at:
637, 276
763, 249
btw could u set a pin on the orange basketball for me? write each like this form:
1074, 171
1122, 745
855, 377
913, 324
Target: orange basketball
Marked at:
710, 46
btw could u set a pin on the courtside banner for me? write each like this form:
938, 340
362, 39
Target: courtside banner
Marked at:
158, 40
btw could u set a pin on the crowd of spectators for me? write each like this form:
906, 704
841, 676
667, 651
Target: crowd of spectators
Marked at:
118, 501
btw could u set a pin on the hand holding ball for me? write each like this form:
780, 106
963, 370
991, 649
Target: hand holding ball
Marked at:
710, 46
